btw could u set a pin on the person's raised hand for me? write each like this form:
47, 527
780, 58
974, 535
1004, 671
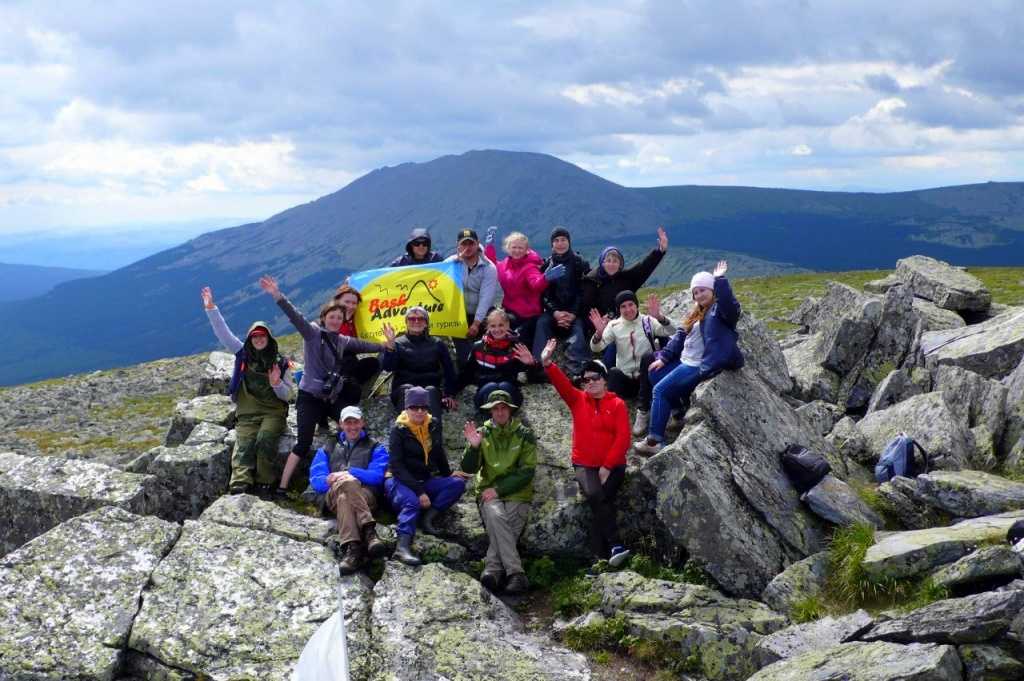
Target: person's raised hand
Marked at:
269, 284
473, 436
448, 403
720, 268
275, 374
598, 321
523, 354
653, 306
207, 295
492, 232
556, 272
662, 240
548, 351
389, 335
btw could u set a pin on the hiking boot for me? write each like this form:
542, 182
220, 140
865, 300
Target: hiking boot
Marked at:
241, 489
375, 548
403, 552
353, 559
620, 554
647, 448
428, 519
517, 584
643, 418
279, 494
492, 579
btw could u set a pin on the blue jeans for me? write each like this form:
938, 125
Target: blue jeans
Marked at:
443, 492
579, 349
673, 384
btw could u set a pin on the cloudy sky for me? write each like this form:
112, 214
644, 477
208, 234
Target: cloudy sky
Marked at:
120, 114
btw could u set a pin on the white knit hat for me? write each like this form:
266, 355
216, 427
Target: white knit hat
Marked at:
703, 279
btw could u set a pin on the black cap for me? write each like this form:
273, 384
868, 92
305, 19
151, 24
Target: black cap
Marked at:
559, 230
596, 366
466, 233
623, 296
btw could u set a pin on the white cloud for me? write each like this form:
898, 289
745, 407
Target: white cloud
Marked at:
801, 150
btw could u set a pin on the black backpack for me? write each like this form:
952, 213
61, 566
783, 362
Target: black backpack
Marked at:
897, 459
1016, 532
804, 468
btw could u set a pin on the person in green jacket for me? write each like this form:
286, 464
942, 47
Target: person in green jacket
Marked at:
504, 452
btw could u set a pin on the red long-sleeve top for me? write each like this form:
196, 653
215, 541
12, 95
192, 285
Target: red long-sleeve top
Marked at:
600, 428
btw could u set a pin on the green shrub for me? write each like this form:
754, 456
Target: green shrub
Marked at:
808, 609
573, 596
544, 572
605, 635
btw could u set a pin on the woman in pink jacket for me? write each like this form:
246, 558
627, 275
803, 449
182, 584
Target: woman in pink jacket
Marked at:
521, 281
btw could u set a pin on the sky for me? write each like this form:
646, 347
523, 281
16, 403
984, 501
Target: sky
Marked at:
163, 117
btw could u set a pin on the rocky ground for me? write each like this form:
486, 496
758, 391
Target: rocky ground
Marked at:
123, 558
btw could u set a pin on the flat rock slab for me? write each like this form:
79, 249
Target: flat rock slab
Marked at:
245, 510
970, 494
878, 661
38, 493
935, 318
68, 597
992, 348
989, 663
928, 419
804, 638
835, 501
433, 623
946, 286
231, 602
973, 619
905, 554
216, 409
196, 475
981, 565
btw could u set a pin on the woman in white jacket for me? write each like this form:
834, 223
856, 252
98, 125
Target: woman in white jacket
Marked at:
632, 334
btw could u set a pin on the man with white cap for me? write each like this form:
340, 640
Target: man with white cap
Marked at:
348, 480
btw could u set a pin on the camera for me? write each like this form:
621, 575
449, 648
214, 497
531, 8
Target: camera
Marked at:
331, 381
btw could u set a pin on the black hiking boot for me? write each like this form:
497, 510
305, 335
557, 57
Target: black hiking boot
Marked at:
375, 548
403, 553
428, 519
492, 579
353, 559
517, 584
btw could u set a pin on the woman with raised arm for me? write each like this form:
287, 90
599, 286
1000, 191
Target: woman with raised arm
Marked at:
322, 385
358, 371
705, 344
260, 387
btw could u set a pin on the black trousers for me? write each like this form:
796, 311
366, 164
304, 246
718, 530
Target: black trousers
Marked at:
311, 411
604, 528
627, 387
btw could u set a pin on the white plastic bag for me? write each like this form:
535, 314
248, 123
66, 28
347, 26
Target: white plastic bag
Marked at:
325, 657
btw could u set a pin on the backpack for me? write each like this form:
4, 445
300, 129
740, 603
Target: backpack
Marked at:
898, 459
1015, 533
804, 468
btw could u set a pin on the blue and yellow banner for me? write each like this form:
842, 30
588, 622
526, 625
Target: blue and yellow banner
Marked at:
389, 292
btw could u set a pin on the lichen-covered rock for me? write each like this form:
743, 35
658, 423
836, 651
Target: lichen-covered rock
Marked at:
884, 284
804, 638
433, 623
195, 475
431, 549
972, 619
935, 318
898, 386
915, 552
811, 381
879, 661
982, 399
216, 409
821, 416
929, 419
206, 432
37, 493
216, 374
231, 602
904, 502
68, 597
989, 663
969, 494
244, 510
847, 439
1013, 433
946, 286
979, 566
801, 581
992, 348
836, 502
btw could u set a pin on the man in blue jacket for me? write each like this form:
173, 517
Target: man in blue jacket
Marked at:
348, 479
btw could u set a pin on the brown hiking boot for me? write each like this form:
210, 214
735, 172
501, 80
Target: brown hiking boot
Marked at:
353, 559
375, 548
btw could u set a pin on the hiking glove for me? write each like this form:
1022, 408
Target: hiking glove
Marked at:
556, 272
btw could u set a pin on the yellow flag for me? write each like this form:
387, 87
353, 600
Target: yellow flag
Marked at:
389, 292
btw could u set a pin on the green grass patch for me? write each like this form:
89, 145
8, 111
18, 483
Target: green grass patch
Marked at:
611, 636
809, 609
573, 596
160, 405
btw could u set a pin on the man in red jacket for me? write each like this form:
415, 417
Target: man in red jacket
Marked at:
600, 439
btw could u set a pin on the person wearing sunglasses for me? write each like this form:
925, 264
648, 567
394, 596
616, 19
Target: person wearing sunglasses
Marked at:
417, 250
419, 481
600, 440
416, 358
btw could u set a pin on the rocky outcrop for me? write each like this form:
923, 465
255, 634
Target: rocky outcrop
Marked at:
973, 619
929, 419
969, 494
1013, 434
948, 287
982, 399
244, 510
196, 475
804, 638
68, 597
899, 385
820, 416
216, 409
801, 581
989, 663
935, 318
992, 348
835, 501
216, 374
869, 662
38, 493
432, 623
990, 563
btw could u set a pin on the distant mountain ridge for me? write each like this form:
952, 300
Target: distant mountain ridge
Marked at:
18, 282
150, 309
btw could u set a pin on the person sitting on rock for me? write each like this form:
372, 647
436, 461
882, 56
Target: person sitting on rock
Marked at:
504, 452
632, 335
420, 480
496, 361
521, 281
705, 344
347, 480
358, 371
417, 358
417, 250
600, 439
564, 315
322, 384
260, 387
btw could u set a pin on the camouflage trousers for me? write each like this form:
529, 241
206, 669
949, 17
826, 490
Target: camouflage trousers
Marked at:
255, 459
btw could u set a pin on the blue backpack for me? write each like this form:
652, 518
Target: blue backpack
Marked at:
898, 459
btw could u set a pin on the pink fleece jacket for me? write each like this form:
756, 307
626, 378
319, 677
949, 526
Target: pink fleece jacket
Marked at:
522, 282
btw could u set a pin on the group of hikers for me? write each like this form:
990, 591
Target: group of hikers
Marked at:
595, 312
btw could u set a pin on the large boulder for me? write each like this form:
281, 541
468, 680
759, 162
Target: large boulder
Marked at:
983, 565
196, 475
802, 581
916, 552
978, 618
68, 597
821, 416
232, 602
982, 399
948, 287
969, 494
929, 419
804, 638
935, 318
835, 501
992, 348
986, 662
879, 661
811, 381
433, 623
244, 510
216, 409
38, 493
1013, 434
215, 375
899, 385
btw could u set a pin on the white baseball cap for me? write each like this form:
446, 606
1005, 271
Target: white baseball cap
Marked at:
351, 412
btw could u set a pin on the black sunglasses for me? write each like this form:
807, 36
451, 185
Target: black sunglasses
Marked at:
417, 408
420, 242
591, 379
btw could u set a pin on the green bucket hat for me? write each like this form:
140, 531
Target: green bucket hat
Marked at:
499, 397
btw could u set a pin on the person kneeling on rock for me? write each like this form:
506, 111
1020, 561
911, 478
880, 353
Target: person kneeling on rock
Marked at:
504, 451
420, 480
347, 480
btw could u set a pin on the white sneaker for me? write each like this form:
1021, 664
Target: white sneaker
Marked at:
620, 554
645, 448
643, 418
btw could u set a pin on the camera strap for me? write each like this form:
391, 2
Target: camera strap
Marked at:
326, 340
